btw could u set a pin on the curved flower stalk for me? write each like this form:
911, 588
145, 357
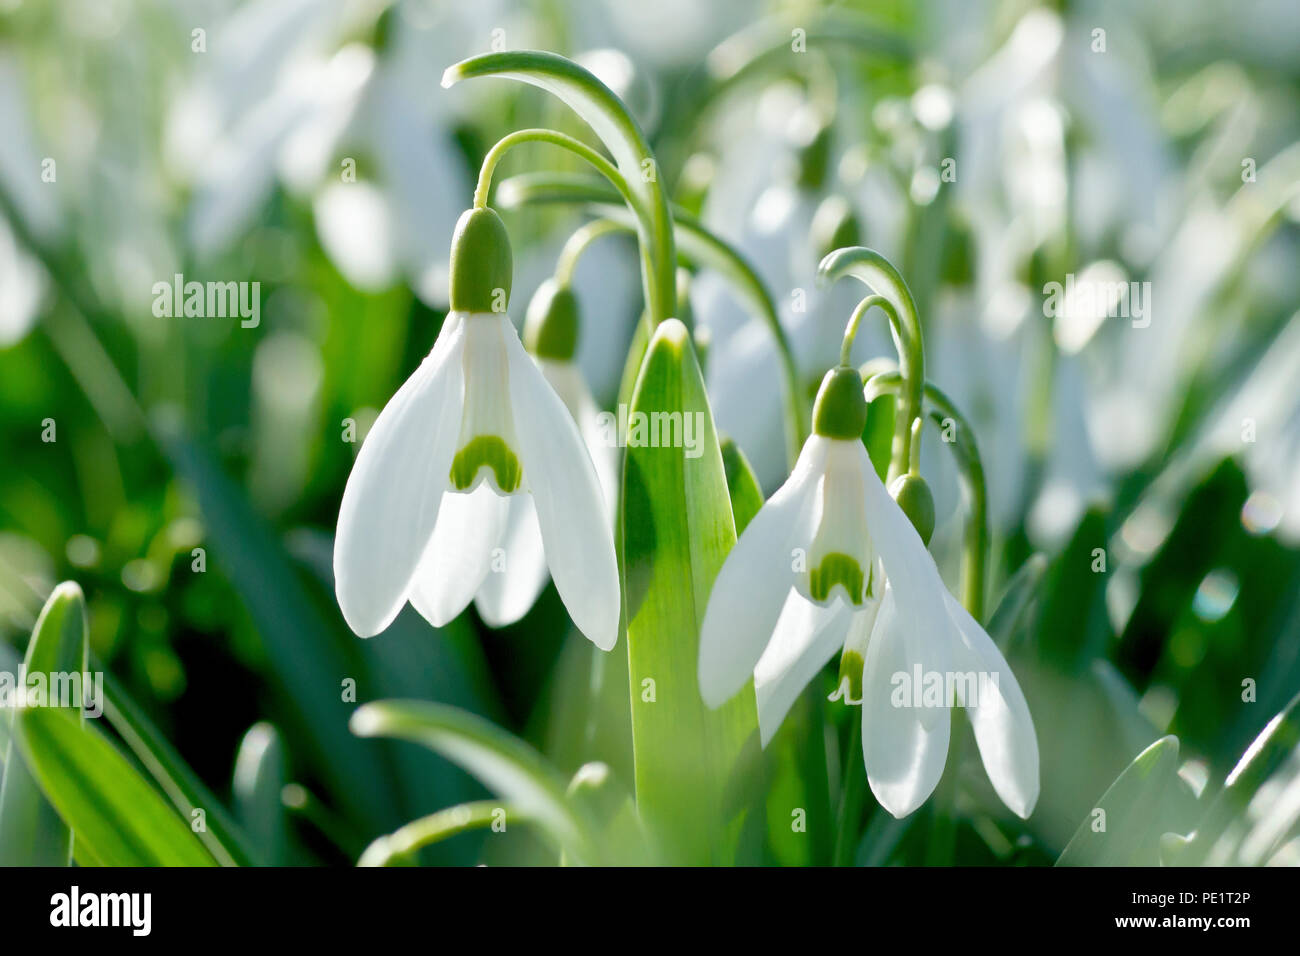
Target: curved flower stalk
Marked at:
426, 506
833, 561
637, 176
891, 292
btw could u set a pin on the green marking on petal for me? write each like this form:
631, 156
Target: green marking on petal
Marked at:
488, 451
851, 664
836, 568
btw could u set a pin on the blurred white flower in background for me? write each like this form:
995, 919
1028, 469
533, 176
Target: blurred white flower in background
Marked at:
757, 202
363, 132
22, 280
22, 284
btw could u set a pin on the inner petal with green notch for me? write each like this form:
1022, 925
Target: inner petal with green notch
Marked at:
839, 560
491, 452
835, 569
487, 431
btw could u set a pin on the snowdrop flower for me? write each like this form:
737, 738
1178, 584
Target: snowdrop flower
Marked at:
551, 336
426, 508
831, 561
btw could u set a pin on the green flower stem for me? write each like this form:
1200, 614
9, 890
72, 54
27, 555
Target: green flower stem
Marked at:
914, 464
606, 114
702, 247
575, 146
580, 242
852, 798
880, 276
851, 330
399, 847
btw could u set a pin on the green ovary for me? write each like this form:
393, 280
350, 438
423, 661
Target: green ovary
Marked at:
836, 568
488, 451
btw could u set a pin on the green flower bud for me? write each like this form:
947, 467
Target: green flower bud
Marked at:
481, 265
551, 325
913, 496
840, 410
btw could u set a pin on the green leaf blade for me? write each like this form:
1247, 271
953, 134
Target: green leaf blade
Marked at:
1125, 828
31, 831
677, 531
118, 818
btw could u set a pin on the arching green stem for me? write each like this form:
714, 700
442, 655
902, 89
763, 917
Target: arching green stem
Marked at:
581, 241
399, 847
880, 276
577, 147
914, 463
863, 307
606, 114
975, 535
702, 247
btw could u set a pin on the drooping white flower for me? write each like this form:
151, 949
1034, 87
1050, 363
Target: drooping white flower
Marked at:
426, 509
829, 560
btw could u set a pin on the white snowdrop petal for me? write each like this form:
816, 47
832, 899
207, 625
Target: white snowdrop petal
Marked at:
919, 591
390, 504
806, 636
577, 537
904, 757
756, 579
509, 593
459, 556
567, 380
1004, 729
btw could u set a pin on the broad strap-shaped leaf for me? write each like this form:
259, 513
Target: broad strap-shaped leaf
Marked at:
118, 818
742, 485
677, 530
504, 764
1126, 825
31, 830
